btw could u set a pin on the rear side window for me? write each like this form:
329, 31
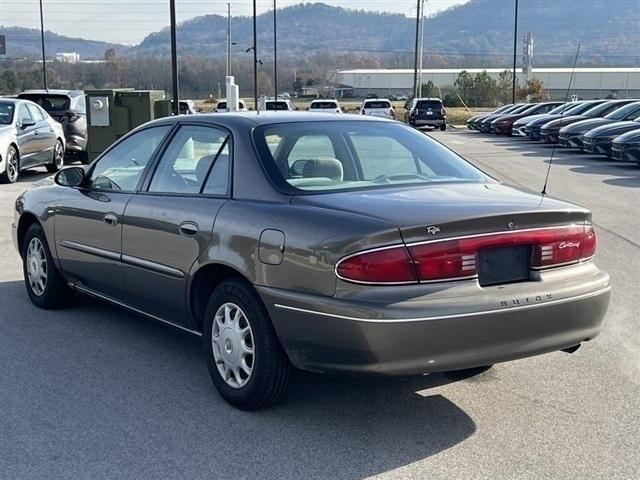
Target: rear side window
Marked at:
51, 103
191, 161
35, 112
122, 167
377, 104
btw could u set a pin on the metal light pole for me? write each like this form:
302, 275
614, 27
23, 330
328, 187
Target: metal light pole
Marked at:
44, 58
421, 54
255, 57
515, 53
228, 39
415, 56
174, 59
275, 53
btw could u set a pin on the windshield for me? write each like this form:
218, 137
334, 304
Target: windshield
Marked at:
561, 108
334, 156
503, 108
602, 109
6, 113
581, 108
624, 112
51, 103
324, 105
379, 104
521, 108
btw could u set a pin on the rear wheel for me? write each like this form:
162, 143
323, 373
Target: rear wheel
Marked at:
12, 166
58, 158
246, 362
45, 285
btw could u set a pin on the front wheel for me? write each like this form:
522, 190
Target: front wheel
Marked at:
443, 127
46, 287
58, 158
246, 362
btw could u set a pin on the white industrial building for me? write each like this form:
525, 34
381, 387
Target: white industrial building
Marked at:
587, 82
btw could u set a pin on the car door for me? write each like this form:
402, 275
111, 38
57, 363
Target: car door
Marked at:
168, 226
26, 137
88, 220
44, 135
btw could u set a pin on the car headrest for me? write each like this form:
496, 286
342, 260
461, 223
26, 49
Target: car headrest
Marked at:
203, 166
323, 167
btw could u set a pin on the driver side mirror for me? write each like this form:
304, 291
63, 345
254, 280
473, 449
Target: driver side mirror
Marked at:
27, 122
70, 177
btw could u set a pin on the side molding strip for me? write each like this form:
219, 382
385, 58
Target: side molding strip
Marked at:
133, 309
444, 317
98, 252
153, 266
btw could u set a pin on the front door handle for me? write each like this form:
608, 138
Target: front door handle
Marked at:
110, 219
189, 229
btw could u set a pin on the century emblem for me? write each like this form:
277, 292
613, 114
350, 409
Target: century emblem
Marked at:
432, 230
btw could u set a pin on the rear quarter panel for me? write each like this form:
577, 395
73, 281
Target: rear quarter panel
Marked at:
315, 239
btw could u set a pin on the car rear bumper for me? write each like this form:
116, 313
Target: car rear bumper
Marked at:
423, 335
427, 122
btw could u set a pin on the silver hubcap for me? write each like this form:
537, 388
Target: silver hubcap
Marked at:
12, 166
36, 266
58, 153
233, 346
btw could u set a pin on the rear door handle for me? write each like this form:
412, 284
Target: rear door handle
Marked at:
110, 219
189, 229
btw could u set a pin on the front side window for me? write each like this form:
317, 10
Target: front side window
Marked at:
197, 160
341, 155
121, 168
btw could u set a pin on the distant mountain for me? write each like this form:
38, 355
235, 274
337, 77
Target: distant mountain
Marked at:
25, 42
480, 29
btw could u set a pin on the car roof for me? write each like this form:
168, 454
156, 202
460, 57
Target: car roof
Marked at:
71, 93
253, 119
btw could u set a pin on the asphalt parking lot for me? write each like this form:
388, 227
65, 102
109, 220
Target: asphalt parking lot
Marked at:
96, 392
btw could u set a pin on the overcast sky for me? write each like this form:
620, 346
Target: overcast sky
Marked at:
129, 21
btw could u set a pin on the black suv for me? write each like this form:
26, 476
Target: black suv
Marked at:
427, 112
67, 107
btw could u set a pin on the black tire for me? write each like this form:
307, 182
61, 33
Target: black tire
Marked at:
56, 292
83, 157
270, 365
443, 127
13, 157
57, 160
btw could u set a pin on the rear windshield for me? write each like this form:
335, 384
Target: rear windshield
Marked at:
324, 105
222, 105
428, 105
345, 155
6, 113
51, 103
377, 104
277, 106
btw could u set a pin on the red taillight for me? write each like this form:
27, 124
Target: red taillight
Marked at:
389, 265
458, 258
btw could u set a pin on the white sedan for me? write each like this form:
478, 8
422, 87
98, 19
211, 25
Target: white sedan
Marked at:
29, 137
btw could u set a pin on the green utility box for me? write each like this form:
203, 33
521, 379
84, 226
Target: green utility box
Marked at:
114, 113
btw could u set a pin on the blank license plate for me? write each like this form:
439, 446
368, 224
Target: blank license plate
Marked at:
503, 265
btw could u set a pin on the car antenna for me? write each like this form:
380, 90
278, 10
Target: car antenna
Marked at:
566, 99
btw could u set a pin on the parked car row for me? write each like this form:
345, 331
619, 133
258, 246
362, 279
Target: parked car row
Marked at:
603, 127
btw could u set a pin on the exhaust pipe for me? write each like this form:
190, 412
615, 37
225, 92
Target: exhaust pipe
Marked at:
571, 349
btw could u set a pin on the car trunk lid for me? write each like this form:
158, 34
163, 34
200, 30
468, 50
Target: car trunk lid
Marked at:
452, 209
